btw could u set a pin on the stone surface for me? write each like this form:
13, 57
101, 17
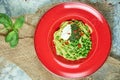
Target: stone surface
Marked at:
20, 7
109, 71
9, 71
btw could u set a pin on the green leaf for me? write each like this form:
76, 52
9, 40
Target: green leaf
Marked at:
14, 42
9, 36
6, 21
12, 38
19, 22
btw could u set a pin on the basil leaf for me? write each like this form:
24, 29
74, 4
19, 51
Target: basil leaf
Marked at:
9, 36
5, 20
19, 22
14, 40
14, 43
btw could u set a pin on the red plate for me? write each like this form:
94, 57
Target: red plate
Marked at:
50, 22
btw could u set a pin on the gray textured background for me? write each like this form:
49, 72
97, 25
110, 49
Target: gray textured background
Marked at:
20, 7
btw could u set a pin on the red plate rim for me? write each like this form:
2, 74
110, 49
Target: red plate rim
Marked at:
49, 23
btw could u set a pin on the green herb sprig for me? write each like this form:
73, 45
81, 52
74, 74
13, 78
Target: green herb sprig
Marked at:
12, 29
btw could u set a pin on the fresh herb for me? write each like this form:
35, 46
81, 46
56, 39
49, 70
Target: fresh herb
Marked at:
75, 33
12, 28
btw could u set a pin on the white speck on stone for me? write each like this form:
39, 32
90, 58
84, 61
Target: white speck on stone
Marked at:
66, 32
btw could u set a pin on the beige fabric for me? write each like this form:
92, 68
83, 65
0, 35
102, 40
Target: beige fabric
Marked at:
24, 54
